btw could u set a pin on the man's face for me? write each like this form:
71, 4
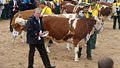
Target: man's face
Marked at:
92, 7
85, 9
37, 14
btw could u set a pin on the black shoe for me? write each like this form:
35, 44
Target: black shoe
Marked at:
30, 66
114, 28
94, 48
89, 57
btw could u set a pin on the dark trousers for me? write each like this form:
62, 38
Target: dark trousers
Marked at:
91, 43
6, 12
12, 13
115, 20
89, 50
57, 9
42, 52
119, 22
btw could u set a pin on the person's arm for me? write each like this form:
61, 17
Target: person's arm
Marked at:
49, 11
11, 4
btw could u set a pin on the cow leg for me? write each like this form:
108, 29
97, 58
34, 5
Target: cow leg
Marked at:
50, 42
69, 46
47, 45
13, 39
22, 36
14, 35
76, 53
101, 27
79, 52
48, 50
109, 18
10, 27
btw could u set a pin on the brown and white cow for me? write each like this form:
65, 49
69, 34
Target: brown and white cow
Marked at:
59, 28
105, 12
71, 8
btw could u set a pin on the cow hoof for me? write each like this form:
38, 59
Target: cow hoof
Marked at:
79, 55
76, 60
48, 51
68, 49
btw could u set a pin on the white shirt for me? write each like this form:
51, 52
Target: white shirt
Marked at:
110, 1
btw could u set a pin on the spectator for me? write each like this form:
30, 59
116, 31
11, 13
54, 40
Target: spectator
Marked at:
13, 4
116, 14
33, 4
57, 6
6, 13
45, 9
1, 7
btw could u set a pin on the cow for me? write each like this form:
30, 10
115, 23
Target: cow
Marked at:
51, 5
71, 8
59, 28
105, 11
18, 24
71, 2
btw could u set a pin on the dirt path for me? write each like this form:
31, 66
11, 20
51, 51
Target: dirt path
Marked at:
15, 56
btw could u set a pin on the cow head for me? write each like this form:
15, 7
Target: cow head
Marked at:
105, 12
20, 21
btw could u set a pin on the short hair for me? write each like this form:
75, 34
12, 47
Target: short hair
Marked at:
105, 63
43, 3
86, 6
37, 10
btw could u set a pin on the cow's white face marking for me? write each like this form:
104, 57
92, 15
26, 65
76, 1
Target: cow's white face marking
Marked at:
70, 15
69, 4
70, 19
74, 23
20, 21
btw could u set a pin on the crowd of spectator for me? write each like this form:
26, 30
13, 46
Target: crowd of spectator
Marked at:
9, 7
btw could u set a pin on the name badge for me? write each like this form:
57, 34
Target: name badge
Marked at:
15, 33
